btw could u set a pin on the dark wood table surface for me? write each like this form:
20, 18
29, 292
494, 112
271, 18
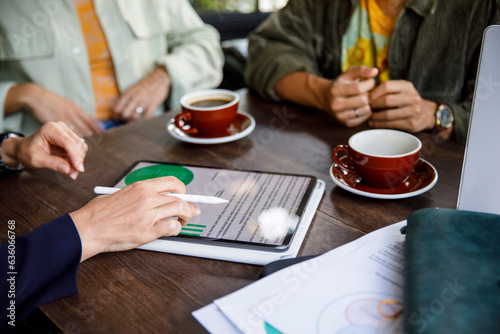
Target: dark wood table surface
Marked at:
143, 291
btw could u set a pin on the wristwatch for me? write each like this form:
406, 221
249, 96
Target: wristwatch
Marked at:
444, 117
4, 167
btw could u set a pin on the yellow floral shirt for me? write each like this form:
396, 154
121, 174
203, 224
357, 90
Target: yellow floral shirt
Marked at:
366, 41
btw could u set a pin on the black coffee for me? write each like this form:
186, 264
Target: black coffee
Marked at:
210, 103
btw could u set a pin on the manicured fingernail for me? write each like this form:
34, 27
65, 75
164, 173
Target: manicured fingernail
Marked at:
197, 212
81, 169
64, 169
73, 175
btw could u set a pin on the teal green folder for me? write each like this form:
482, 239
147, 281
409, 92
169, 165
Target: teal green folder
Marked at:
452, 272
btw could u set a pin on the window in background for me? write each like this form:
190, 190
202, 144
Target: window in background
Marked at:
267, 6
237, 6
235, 19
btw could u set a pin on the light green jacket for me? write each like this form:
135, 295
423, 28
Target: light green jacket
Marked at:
41, 41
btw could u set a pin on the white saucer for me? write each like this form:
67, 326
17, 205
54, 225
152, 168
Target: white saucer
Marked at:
422, 179
243, 125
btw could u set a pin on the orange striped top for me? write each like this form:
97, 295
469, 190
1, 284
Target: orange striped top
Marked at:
101, 65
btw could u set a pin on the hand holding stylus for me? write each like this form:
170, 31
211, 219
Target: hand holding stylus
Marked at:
132, 217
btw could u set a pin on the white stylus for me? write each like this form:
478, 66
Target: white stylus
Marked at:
187, 197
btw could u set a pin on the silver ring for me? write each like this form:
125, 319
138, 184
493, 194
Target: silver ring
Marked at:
71, 127
139, 110
356, 111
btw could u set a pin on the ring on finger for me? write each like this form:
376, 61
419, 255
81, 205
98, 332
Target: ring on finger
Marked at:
71, 127
356, 111
139, 110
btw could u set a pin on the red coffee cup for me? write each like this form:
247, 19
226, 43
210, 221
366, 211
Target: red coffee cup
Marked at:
207, 113
382, 158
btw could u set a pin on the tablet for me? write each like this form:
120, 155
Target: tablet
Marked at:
267, 211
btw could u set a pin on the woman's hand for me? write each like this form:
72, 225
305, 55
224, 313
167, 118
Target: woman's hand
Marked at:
132, 217
144, 97
401, 107
54, 146
47, 106
347, 99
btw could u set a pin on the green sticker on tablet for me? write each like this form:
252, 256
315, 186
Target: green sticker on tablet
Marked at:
152, 172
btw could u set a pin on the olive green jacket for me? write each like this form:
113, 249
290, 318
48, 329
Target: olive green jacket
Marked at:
41, 41
435, 45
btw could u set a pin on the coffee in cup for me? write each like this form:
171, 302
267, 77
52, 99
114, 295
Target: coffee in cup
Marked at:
207, 113
382, 158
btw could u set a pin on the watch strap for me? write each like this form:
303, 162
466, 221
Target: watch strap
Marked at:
3, 167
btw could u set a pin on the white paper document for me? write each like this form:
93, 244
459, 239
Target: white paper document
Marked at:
355, 288
214, 320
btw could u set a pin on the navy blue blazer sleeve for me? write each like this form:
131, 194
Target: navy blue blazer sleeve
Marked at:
46, 262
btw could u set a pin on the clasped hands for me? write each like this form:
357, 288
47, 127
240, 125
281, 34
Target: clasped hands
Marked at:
394, 104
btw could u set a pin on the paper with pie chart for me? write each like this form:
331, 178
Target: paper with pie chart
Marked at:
359, 294
355, 288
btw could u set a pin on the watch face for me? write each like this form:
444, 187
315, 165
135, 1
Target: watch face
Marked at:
445, 117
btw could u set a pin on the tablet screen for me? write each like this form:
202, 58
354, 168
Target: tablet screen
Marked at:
264, 208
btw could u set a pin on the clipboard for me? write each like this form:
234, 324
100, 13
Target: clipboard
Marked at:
267, 218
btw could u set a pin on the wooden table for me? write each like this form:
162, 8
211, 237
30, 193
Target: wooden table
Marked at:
142, 291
